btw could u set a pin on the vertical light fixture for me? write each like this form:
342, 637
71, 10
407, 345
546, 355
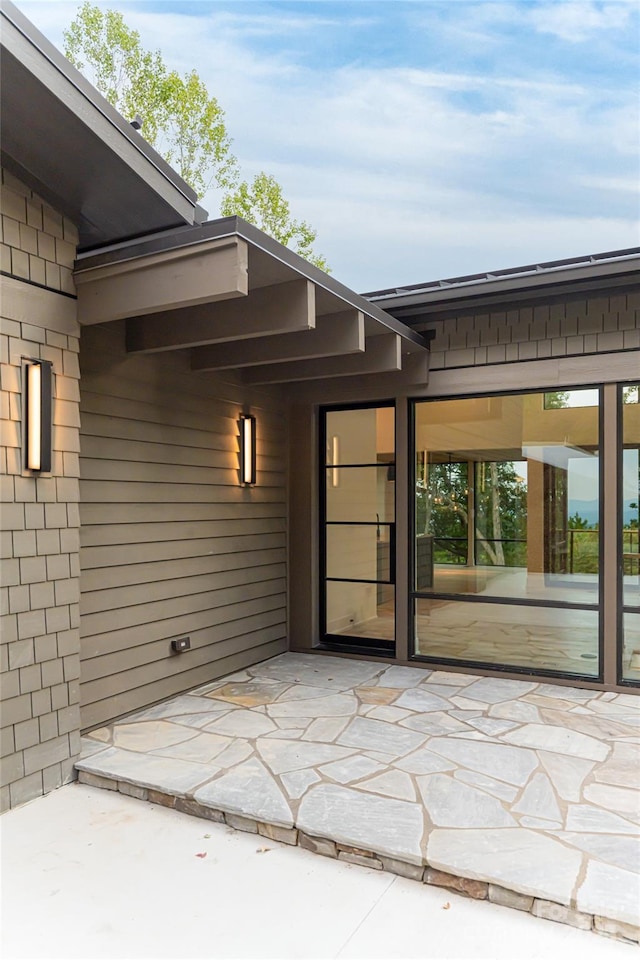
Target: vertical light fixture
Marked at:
38, 415
247, 449
335, 459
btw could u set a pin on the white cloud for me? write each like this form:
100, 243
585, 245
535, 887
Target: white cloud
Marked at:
243, 24
410, 173
576, 21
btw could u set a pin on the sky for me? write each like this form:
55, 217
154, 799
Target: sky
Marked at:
422, 140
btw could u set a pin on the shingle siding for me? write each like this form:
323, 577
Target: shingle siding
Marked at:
571, 327
39, 637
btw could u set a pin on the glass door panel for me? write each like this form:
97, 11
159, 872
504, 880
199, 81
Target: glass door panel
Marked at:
360, 494
359, 528
629, 539
360, 552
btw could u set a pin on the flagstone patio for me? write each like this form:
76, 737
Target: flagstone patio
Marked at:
524, 793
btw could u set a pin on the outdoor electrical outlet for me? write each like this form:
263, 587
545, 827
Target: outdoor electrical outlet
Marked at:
179, 646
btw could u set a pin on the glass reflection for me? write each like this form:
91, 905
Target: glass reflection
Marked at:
507, 506
507, 497
540, 638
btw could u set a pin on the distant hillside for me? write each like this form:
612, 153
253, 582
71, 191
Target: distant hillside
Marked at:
588, 510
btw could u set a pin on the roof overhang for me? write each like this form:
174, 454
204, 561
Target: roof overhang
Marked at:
559, 278
66, 142
238, 300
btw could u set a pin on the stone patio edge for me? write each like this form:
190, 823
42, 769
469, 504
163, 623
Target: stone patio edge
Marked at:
425, 873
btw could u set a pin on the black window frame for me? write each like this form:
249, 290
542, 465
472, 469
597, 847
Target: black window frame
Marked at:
332, 641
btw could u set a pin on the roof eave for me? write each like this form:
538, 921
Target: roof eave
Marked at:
227, 227
536, 281
69, 144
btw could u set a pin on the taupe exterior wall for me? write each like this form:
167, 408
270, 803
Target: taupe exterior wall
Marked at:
172, 546
40, 646
573, 326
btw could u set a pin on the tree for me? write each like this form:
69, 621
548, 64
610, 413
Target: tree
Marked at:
556, 400
262, 204
501, 513
500, 530
576, 522
181, 120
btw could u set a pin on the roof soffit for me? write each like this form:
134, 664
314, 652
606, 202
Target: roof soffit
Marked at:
67, 143
238, 300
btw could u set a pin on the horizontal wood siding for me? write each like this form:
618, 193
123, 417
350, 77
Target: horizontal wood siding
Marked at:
171, 545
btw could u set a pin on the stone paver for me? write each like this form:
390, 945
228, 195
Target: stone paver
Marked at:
249, 790
610, 892
512, 764
538, 799
381, 824
450, 803
177, 777
522, 860
526, 792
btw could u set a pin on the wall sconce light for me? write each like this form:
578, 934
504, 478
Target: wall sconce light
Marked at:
38, 375
247, 449
335, 459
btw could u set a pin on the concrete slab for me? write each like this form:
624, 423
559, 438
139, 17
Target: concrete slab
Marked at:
93, 874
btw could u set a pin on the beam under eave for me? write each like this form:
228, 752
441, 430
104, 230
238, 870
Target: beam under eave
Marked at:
414, 373
335, 335
281, 308
382, 354
168, 280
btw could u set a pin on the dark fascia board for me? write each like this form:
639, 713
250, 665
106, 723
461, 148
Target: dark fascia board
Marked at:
237, 227
570, 276
52, 114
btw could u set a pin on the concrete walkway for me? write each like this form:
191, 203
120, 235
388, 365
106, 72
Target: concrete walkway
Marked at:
519, 792
90, 874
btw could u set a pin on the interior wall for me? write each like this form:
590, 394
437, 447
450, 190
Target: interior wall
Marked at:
171, 545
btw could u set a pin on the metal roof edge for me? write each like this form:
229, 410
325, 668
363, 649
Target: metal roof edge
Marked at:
534, 276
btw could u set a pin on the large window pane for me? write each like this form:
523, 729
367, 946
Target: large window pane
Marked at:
631, 652
507, 492
507, 507
629, 538
540, 638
